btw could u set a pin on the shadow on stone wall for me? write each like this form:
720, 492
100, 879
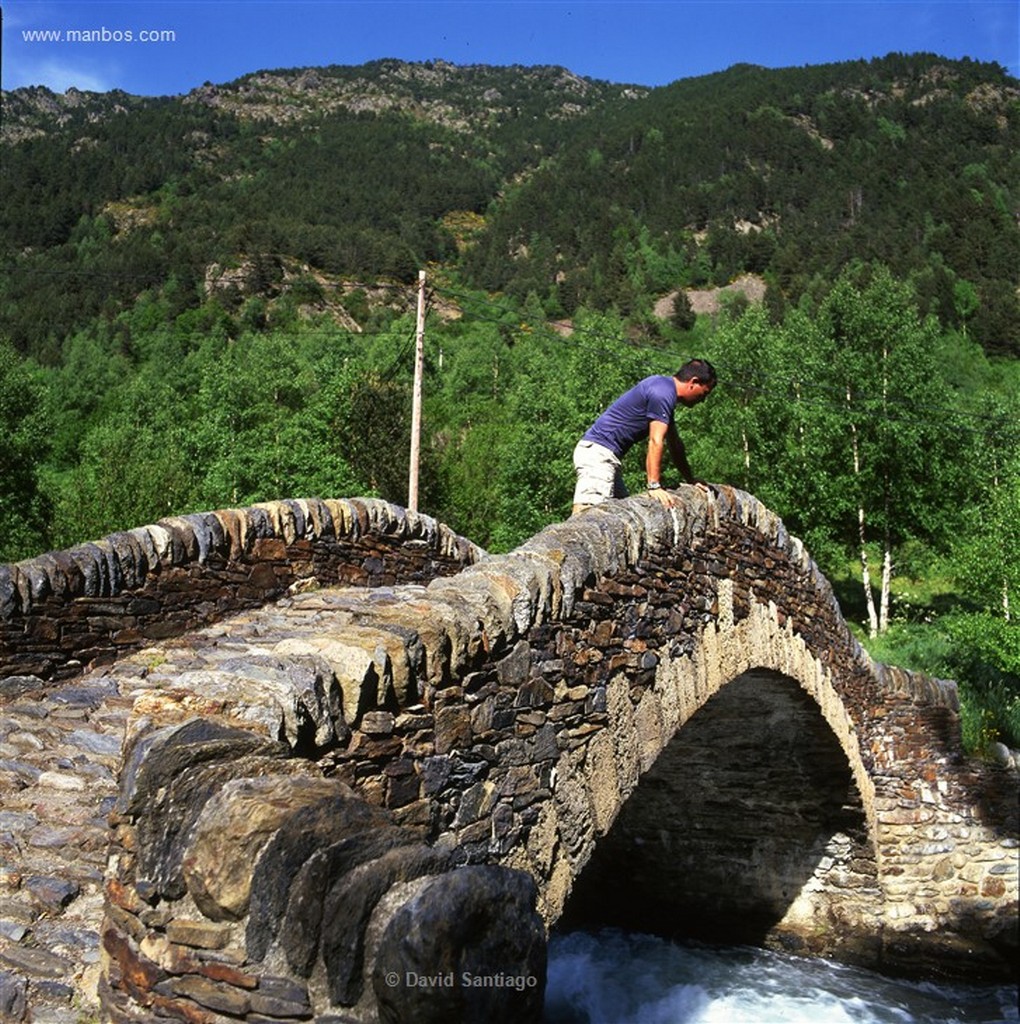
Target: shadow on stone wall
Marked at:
748, 828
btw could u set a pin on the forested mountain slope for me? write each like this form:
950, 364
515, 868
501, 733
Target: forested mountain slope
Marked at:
347, 170
591, 193
793, 173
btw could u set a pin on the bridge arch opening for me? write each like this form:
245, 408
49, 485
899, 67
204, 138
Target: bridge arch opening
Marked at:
748, 828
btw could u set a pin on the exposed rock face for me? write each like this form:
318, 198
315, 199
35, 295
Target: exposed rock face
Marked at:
35, 110
460, 97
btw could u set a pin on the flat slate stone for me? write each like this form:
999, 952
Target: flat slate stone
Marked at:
36, 962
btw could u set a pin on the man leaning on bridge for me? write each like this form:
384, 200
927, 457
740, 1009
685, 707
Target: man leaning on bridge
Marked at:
644, 411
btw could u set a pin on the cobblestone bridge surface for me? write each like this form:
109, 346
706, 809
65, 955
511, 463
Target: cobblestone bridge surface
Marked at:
59, 754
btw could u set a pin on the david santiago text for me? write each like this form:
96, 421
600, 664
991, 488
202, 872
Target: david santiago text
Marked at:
466, 980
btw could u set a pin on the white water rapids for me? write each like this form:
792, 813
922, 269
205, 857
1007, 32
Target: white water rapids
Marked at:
614, 977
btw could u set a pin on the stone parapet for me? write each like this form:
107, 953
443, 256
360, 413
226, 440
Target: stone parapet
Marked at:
66, 611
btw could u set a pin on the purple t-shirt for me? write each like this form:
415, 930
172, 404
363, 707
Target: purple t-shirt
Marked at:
626, 420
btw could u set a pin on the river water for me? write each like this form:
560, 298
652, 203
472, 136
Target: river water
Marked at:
613, 977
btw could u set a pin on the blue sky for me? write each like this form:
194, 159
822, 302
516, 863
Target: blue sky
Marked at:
161, 48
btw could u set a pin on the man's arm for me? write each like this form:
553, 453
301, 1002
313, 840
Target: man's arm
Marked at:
658, 438
679, 454
658, 434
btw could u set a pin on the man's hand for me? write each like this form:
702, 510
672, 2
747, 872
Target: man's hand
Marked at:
664, 497
703, 484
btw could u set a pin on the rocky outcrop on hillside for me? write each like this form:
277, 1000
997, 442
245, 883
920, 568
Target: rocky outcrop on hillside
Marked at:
461, 97
36, 110
711, 300
464, 98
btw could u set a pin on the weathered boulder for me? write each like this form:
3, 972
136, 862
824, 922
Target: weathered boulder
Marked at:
172, 773
306, 831
348, 907
469, 946
231, 831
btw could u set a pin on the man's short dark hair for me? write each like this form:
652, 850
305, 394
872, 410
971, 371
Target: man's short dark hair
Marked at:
699, 369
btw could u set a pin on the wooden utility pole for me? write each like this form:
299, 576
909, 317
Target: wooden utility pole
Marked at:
419, 366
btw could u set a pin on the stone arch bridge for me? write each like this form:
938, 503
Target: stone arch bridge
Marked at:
342, 765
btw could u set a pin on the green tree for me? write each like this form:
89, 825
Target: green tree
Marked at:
23, 508
130, 472
683, 317
742, 433
268, 419
902, 448
965, 302
771, 427
989, 559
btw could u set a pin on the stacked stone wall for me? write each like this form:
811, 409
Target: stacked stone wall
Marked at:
247, 885
61, 738
67, 611
503, 717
